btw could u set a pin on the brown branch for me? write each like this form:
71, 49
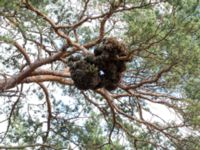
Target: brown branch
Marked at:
75, 25
140, 110
23, 51
102, 25
20, 48
133, 93
12, 111
155, 79
56, 29
141, 5
156, 94
115, 109
147, 124
47, 78
109, 100
16, 79
84, 9
49, 111
50, 21
136, 139
149, 45
30, 7
64, 73
103, 111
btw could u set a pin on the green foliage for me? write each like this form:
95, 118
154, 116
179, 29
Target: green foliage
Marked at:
172, 37
192, 89
189, 142
21, 132
158, 35
9, 4
192, 113
92, 135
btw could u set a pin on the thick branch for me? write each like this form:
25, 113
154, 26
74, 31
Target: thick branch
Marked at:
43, 78
64, 74
16, 79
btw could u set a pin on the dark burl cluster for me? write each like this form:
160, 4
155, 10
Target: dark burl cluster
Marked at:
103, 69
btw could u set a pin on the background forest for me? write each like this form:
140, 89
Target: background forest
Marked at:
100, 74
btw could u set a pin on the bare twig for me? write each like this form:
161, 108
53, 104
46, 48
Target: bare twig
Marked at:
49, 111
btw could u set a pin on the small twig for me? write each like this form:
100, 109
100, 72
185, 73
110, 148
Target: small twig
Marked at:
12, 111
49, 111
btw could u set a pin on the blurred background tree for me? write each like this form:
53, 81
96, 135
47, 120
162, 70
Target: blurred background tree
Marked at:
156, 104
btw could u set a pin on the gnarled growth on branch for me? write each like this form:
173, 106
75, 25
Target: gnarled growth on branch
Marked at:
103, 69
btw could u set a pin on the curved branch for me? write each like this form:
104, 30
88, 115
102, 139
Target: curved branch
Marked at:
23, 51
109, 100
16, 79
155, 79
55, 27
49, 111
12, 111
44, 78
